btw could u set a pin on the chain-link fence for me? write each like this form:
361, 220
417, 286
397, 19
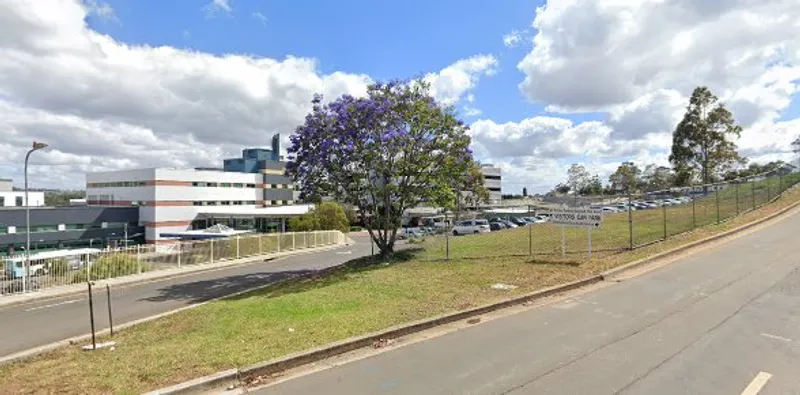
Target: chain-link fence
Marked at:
65, 267
629, 222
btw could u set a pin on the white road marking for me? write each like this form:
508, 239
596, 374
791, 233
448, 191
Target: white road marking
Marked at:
344, 253
53, 305
776, 337
757, 384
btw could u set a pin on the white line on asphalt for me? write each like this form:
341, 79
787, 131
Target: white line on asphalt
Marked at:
53, 305
776, 337
344, 253
757, 384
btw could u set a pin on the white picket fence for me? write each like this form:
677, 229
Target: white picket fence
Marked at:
65, 267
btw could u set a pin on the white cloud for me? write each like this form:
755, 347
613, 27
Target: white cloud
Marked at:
217, 6
452, 82
104, 105
102, 9
259, 17
513, 39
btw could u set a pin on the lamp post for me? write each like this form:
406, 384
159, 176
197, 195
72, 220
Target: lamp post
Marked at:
35, 146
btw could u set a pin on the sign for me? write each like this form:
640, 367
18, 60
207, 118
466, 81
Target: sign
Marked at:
576, 217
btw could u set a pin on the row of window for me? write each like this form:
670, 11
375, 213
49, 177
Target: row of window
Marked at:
116, 184
18, 201
10, 229
201, 184
489, 177
239, 202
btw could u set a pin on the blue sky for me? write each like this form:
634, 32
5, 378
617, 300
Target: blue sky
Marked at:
401, 40
185, 84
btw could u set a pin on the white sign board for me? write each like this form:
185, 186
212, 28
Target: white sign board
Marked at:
576, 217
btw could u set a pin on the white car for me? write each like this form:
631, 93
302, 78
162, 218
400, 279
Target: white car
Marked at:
472, 226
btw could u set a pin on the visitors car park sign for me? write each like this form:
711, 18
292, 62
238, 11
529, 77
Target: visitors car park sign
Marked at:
576, 217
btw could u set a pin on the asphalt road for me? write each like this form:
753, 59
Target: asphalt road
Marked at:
38, 323
715, 322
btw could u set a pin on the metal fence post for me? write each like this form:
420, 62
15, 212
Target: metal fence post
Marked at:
179, 254
110, 317
237, 247
664, 217
590, 242
212, 251
716, 194
138, 258
260, 247
530, 235
753, 189
694, 211
630, 223
293, 241
737, 198
563, 243
91, 315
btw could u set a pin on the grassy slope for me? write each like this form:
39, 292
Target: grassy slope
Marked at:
299, 315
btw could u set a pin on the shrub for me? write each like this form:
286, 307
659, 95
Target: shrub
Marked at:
111, 266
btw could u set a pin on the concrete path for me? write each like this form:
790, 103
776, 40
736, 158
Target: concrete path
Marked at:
29, 325
725, 320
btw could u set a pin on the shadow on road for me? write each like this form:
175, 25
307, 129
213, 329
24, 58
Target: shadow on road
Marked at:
204, 290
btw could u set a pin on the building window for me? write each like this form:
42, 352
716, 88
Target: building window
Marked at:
3, 229
237, 202
2, 201
274, 186
19, 201
211, 203
198, 184
75, 227
226, 203
274, 202
251, 185
212, 184
196, 203
225, 185
238, 185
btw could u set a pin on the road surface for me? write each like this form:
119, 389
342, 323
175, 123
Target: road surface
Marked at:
723, 321
38, 323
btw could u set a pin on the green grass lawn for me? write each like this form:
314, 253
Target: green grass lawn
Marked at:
290, 317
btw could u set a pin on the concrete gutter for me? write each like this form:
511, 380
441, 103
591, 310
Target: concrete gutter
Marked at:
235, 377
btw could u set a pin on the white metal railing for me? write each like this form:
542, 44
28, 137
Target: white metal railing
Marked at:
47, 270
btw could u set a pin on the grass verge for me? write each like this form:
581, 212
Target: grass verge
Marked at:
363, 297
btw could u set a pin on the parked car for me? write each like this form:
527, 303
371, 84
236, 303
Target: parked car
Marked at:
654, 203
519, 221
495, 226
509, 224
675, 202
471, 226
609, 209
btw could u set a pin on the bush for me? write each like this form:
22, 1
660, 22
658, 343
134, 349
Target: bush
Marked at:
325, 216
356, 229
111, 266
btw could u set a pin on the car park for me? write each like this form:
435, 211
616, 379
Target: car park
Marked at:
471, 226
609, 209
495, 226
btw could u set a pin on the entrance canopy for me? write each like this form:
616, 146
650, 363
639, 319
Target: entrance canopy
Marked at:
254, 212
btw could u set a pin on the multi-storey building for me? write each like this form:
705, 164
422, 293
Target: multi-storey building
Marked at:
11, 198
250, 192
492, 178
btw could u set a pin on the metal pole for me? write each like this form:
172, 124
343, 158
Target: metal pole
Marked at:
91, 315
753, 189
212, 250
237, 247
446, 238
737, 198
530, 235
125, 226
563, 243
664, 210
179, 254
139, 259
110, 317
694, 210
27, 229
630, 222
590, 242
716, 193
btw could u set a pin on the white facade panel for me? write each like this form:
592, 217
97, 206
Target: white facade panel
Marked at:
122, 175
181, 193
10, 199
207, 176
139, 194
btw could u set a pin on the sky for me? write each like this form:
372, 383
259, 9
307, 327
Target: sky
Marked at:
124, 84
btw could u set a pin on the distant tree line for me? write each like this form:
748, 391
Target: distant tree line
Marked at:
703, 152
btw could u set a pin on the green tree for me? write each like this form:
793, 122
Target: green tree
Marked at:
701, 144
524, 192
61, 198
593, 187
324, 216
657, 178
386, 151
577, 177
626, 178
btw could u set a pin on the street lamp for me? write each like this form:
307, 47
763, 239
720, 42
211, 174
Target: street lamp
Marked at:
34, 147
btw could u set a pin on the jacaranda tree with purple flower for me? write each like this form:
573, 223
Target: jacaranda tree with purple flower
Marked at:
394, 149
